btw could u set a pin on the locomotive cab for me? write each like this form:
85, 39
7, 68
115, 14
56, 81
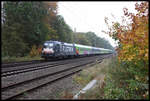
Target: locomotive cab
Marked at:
51, 49
48, 50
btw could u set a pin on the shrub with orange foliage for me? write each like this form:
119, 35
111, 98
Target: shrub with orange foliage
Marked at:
35, 51
39, 49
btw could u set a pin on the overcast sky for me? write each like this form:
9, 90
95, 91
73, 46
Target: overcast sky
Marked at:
89, 16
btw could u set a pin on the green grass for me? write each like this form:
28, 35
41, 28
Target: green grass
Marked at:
18, 59
118, 83
90, 73
98, 72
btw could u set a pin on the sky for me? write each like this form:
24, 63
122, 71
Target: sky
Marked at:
89, 16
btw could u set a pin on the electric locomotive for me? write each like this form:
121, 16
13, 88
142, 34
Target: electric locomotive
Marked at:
55, 49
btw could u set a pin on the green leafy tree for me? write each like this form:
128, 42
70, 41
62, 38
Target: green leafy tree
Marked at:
26, 20
62, 29
98, 41
80, 38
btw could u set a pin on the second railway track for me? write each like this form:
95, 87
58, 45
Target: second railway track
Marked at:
32, 67
27, 68
13, 64
16, 85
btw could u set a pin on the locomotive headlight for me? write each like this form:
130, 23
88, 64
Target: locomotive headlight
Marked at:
51, 50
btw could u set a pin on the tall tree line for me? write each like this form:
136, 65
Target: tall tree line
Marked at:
91, 39
31, 23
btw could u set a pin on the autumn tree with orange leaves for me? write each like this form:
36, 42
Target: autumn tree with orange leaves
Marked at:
133, 41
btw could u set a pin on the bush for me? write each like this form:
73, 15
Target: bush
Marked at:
39, 49
35, 51
122, 83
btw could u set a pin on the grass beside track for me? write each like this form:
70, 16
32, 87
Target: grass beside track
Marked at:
86, 75
98, 72
19, 59
112, 82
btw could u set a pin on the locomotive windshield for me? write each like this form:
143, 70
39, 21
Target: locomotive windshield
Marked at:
48, 45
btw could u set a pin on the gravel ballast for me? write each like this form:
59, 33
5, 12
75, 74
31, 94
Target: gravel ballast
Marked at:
53, 90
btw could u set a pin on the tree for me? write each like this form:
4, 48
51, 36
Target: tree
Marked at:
26, 20
80, 38
98, 41
62, 29
12, 44
133, 47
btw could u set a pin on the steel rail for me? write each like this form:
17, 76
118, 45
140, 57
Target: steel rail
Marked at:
11, 91
27, 68
51, 77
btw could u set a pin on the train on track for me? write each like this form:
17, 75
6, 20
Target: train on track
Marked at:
56, 49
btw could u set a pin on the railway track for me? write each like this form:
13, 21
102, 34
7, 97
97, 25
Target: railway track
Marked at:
27, 68
8, 71
23, 63
17, 84
13, 64
31, 67
43, 69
